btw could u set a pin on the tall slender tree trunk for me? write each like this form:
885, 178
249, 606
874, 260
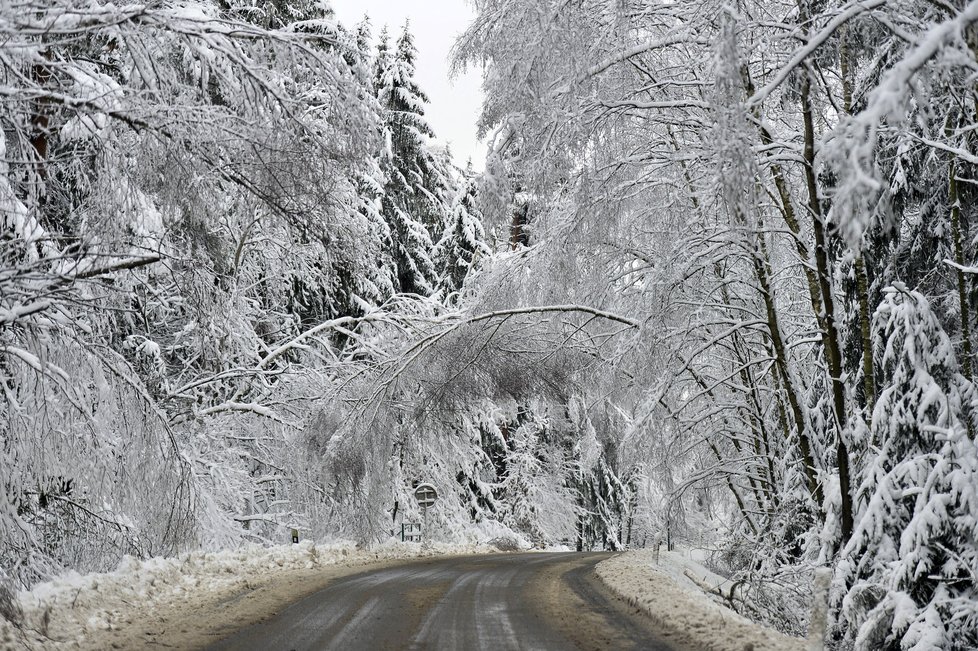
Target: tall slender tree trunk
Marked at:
765, 496
781, 364
40, 136
761, 443
862, 278
745, 514
737, 446
775, 339
865, 333
833, 350
955, 201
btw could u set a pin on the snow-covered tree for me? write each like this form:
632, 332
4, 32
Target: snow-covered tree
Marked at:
909, 571
463, 240
413, 202
170, 174
237, 273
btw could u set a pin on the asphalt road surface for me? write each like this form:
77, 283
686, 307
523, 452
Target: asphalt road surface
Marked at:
506, 601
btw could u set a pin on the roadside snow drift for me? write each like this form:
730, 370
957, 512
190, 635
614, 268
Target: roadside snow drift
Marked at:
681, 609
188, 601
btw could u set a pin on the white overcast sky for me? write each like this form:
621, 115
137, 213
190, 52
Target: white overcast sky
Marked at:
455, 103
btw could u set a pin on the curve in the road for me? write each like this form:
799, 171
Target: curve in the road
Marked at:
545, 602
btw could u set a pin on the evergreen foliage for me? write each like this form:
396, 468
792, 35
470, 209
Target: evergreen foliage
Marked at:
463, 240
417, 181
731, 299
911, 564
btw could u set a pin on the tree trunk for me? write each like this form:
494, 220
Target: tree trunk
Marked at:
775, 339
862, 279
865, 334
833, 351
781, 364
40, 135
955, 201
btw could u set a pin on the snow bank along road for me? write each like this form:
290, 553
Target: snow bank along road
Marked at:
516, 601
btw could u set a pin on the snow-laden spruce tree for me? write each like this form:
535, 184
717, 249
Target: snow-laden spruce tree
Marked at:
417, 182
907, 578
463, 240
380, 285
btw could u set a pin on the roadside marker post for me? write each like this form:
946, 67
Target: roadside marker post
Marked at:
295, 536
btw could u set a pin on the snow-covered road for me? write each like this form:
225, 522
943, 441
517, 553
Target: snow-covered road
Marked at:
537, 601
189, 601
395, 596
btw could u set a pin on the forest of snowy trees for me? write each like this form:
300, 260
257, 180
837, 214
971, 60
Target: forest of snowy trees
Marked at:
716, 283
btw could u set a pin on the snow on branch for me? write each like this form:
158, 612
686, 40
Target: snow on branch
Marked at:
852, 147
967, 270
814, 43
684, 37
545, 309
252, 407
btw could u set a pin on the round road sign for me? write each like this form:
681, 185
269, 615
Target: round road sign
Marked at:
426, 495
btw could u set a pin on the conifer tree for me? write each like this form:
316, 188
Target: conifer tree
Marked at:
413, 203
911, 564
463, 240
378, 281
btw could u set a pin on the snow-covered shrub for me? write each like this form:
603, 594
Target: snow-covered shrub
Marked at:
505, 544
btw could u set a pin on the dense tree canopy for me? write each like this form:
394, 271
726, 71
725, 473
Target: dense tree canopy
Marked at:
716, 284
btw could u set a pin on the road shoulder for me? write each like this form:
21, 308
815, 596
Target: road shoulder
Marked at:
186, 602
591, 615
687, 617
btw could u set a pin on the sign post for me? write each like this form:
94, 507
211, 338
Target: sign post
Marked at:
426, 495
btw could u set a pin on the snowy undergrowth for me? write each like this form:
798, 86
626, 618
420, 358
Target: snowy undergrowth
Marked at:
661, 585
77, 611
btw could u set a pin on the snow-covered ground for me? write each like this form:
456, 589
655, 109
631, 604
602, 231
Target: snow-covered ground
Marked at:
188, 601
197, 598
660, 585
